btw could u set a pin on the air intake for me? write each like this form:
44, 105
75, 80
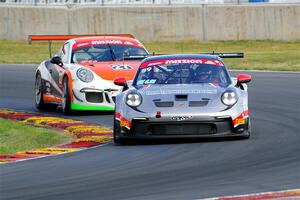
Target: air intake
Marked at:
164, 104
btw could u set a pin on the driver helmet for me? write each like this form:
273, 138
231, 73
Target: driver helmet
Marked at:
203, 74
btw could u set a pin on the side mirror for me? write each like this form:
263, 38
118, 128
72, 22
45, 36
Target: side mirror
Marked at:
121, 81
56, 60
243, 78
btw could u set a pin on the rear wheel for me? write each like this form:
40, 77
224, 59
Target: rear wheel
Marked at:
38, 92
66, 104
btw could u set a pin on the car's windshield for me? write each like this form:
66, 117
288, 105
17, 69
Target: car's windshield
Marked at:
182, 74
104, 53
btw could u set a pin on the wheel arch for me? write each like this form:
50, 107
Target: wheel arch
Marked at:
70, 83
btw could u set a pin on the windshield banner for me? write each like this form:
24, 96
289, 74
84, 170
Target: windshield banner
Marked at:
182, 61
98, 42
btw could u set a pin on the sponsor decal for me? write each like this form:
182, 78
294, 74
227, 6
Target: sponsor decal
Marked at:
241, 119
181, 118
179, 91
155, 63
128, 43
106, 42
82, 44
123, 121
121, 67
146, 82
182, 61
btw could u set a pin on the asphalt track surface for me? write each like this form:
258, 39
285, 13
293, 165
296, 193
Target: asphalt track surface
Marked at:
268, 161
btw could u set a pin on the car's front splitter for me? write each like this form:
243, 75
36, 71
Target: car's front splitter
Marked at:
185, 129
90, 107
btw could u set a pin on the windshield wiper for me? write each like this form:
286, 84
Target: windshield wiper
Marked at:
135, 57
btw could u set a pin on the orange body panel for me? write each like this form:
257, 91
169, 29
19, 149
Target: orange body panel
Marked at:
70, 85
51, 99
106, 71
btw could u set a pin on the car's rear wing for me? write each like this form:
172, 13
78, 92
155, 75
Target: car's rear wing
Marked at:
221, 55
227, 55
51, 38
67, 37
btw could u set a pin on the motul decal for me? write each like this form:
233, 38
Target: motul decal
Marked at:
123, 121
240, 119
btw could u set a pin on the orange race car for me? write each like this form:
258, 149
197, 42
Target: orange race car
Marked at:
80, 76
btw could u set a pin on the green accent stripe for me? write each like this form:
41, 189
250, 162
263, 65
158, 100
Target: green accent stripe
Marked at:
84, 107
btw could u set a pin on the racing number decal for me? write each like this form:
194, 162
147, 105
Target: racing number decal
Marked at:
121, 67
148, 69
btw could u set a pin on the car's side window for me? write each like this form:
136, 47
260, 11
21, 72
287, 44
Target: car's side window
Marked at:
60, 52
65, 52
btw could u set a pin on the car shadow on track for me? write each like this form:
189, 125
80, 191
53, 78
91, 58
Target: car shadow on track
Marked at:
88, 113
52, 109
178, 141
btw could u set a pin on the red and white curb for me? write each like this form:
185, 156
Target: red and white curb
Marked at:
278, 195
86, 135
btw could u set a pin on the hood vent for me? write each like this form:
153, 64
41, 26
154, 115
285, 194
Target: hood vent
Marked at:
198, 103
164, 103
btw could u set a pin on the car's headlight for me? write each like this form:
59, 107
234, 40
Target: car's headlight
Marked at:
85, 75
229, 98
133, 99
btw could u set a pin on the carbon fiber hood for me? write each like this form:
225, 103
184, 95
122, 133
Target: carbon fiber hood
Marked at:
183, 98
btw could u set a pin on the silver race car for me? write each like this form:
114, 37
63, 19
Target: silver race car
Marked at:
186, 96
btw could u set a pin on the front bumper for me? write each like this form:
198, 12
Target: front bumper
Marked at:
91, 107
92, 99
205, 128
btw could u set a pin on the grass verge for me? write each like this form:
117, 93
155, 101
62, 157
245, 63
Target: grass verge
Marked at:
16, 136
260, 55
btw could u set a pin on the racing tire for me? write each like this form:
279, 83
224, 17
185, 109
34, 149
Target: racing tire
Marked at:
66, 104
117, 131
248, 134
38, 92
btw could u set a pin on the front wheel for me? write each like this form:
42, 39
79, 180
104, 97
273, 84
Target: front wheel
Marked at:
117, 133
66, 104
248, 133
249, 129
